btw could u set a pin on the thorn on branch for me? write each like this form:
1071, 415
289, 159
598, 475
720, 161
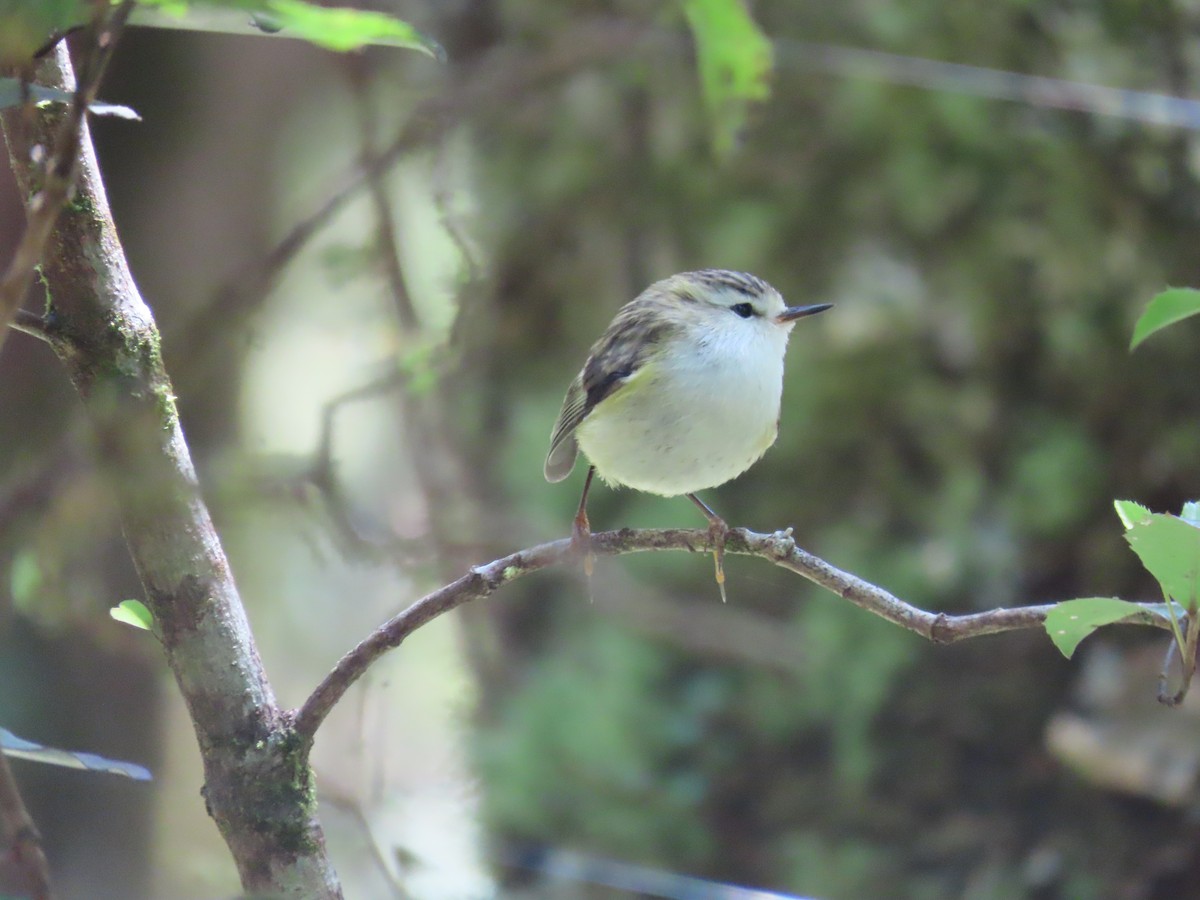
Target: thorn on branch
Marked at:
32, 324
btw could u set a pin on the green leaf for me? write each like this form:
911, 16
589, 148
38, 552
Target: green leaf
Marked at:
1169, 307
335, 28
25, 580
1169, 548
734, 58
1073, 620
1131, 512
133, 612
346, 29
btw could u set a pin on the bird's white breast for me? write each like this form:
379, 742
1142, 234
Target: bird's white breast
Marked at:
693, 418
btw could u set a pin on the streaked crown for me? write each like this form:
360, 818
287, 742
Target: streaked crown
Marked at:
727, 289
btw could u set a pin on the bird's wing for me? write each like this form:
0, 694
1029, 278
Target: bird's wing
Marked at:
563, 448
614, 359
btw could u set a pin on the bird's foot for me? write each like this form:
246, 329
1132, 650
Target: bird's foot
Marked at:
581, 542
718, 531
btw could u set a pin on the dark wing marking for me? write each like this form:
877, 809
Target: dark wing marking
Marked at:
619, 353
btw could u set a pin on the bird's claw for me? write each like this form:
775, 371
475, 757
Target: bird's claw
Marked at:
581, 542
718, 531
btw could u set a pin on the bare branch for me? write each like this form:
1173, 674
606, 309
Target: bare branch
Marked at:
443, 202
21, 856
778, 548
321, 474
386, 239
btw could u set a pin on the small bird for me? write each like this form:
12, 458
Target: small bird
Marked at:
680, 394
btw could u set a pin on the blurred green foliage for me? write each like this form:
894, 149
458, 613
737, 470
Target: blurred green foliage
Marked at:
955, 430
27, 27
734, 59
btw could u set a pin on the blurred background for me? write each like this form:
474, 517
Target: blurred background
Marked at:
955, 430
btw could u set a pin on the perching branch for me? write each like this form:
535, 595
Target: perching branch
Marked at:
778, 548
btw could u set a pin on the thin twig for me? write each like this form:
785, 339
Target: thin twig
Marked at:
322, 475
443, 202
386, 238
20, 843
59, 175
778, 548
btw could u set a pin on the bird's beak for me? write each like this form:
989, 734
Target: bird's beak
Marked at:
792, 313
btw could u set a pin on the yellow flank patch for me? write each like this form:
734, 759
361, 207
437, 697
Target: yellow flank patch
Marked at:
768, 438
621, 394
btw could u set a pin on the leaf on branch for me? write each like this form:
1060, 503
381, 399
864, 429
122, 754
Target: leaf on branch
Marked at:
10, 95
348, 29
1131, 512
734, 58
335, 28
23, 749
1171, 306
1169, 548
1071, 621
133, 612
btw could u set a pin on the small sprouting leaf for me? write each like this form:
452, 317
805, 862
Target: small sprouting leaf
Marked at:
1169, 548
1191, 513
1130, 512
338, 28
1167, 308
1073, 620
133, 612
734, 58
20, 748
25, 579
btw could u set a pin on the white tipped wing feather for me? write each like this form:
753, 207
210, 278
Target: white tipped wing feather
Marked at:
563, 447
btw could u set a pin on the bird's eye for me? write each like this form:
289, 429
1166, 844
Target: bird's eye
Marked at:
745, 310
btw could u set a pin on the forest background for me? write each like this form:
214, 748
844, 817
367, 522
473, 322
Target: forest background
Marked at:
955, 430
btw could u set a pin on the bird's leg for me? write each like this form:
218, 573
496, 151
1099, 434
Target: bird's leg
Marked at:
581, 529
717, 532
